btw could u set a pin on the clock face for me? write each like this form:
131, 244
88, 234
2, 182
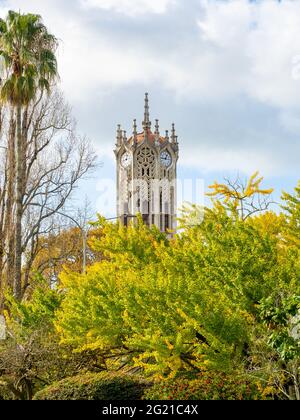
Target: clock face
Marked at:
126, 160
165, 159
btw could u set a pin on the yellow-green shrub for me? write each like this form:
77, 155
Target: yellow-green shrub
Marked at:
95, 386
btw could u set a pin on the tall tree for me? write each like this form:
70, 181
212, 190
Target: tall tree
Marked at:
28, 53
56, 158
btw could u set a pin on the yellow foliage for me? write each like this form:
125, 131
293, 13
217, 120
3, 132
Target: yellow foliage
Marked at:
239, 198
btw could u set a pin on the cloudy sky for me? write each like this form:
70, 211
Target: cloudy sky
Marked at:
226, 72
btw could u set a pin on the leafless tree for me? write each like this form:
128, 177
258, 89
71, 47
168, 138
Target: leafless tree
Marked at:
249, 205
80, 218
244, 198
55, 159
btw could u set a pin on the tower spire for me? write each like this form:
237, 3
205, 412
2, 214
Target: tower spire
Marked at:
134, 128
134, 132
173, 136
146, 122
119, 135
156, 128
156, 133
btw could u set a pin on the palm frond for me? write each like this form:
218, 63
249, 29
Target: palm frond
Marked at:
28, 57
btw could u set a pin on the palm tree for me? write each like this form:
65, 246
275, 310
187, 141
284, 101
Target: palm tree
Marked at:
28, 57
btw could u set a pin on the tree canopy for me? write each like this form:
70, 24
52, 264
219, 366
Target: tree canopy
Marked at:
221, 295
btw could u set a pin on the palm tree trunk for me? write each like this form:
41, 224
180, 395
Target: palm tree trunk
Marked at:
17, 289
10, 198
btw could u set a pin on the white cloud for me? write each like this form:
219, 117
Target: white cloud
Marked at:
205, 52
241, 48
210, 159
130, 7
260, 40
94, 65
223, 23
290, 120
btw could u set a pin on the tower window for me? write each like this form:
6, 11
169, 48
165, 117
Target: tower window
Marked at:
167, 221
172, 200
161, 201
146, 219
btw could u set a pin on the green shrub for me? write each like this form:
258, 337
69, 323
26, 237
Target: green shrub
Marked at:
5, 394
96, 386
206, 386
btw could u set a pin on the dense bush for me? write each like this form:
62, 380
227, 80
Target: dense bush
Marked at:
96, 386
207, 386
209, 298
221, 296
5, 394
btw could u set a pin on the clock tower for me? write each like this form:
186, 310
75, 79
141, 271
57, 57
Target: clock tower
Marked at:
146, 174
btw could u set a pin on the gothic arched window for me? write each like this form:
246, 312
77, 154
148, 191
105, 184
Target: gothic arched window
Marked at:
145, 171
146, 163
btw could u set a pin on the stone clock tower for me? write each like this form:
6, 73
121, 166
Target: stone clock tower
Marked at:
146, 174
